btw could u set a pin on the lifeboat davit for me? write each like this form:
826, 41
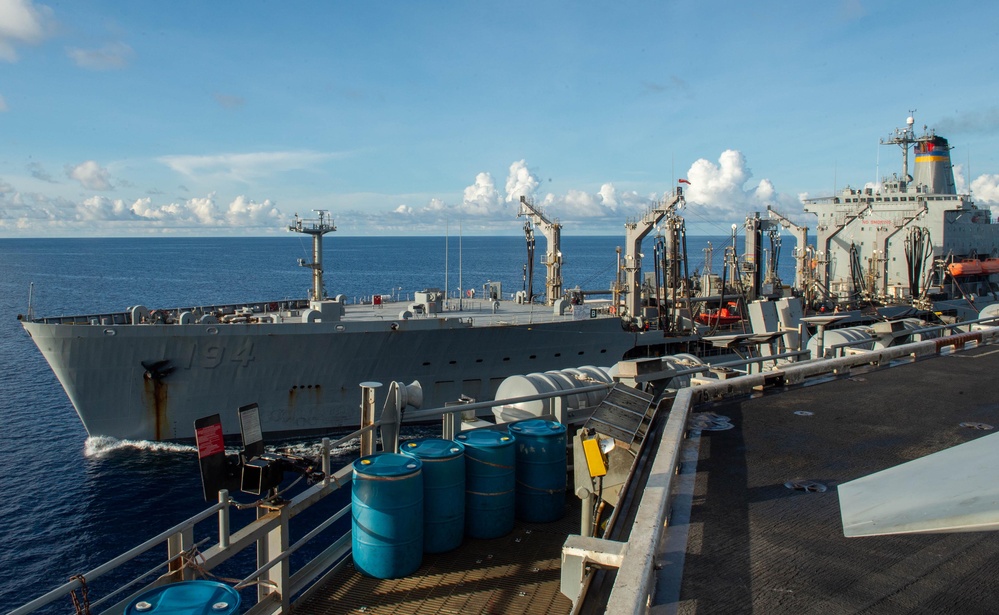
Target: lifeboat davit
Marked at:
968, 267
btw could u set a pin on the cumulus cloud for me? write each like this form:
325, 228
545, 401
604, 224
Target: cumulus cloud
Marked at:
719, 190
986, 191
102, 208
608, 202
481, 198
243, 167
22, 22
91, 175
100, 213
520, 182
245, 212
111, 56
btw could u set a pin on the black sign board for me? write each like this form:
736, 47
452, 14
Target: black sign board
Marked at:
211, 455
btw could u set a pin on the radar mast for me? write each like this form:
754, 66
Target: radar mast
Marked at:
317, 228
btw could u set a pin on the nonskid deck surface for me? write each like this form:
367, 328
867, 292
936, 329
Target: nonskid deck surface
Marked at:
516, 574
756, 546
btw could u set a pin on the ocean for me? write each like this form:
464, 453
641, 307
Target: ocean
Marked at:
73, 502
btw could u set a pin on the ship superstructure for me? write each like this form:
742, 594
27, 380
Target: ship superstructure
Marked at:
912, 239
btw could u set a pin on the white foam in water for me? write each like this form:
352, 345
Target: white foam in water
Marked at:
100, 446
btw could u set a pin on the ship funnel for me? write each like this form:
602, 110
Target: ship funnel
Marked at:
933, 168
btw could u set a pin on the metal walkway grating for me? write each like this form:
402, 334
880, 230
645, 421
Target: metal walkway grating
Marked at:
518, 573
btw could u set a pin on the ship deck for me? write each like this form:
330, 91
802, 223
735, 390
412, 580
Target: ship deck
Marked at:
518, 573
748, 543
754, 545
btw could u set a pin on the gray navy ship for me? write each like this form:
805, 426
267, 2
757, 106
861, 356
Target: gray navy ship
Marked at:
914, 240
147, 374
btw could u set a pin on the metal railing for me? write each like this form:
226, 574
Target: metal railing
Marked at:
270, 531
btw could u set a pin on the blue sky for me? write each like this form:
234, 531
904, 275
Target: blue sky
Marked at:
219, 118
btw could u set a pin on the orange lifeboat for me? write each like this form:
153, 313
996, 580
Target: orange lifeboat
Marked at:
990, 265
967, 267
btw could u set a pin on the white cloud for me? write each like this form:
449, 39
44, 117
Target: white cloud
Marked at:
719, 191
481, 198
985, 189
243, 167
90, 175
605, 203
246, 212
520, 182
111, 56
102, 208
32, 211
405, 210
22, 22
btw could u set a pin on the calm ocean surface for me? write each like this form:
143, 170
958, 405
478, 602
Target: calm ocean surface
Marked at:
72, 503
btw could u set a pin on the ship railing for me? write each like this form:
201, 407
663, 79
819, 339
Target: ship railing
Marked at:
270, 532
638, 559
125, 318
182, 533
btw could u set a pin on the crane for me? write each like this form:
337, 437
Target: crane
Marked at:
553, 254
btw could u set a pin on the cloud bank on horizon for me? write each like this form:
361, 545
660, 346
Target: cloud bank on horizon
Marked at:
718, 193
719, 190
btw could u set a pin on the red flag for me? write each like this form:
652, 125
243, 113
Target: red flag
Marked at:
683, 181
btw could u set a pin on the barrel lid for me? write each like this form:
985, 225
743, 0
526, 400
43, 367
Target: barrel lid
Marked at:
433, 448
485, 438
387, 464
193, 597
537, 427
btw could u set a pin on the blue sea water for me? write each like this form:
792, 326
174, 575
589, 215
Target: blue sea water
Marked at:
73, 502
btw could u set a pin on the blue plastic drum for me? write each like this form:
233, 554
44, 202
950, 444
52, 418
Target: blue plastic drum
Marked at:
186, 598
443, 491
387, 515
489, 482
541, 470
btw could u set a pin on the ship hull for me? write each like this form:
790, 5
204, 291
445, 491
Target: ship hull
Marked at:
150, 382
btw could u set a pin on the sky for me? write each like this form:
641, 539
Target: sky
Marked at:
414, 118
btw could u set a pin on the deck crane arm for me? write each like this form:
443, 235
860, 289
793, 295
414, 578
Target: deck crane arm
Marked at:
635, 232
801, 246
553, 252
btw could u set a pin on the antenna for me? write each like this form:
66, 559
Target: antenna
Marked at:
459, 265
967, 177
447, 234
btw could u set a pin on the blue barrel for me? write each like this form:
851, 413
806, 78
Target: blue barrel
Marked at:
489, 482
386, 510
186, 598
443, 491
541, 470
